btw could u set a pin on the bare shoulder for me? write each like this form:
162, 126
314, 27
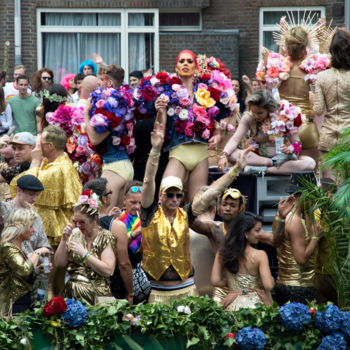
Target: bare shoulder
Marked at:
259, 255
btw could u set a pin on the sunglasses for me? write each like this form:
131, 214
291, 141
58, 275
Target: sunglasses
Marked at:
136, 189
231, 192
46, 78
107, 194
171, 195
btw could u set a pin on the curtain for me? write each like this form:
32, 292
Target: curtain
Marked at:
63, 52
137, 44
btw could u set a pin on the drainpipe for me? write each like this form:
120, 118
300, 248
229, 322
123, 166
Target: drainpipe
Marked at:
18, 32
347, 13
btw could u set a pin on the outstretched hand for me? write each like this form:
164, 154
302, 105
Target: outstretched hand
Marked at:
242, 159
97, 58
285, 206
245, 79
157, 136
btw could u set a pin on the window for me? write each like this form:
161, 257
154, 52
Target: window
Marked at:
270, 18
125, 37
180, 20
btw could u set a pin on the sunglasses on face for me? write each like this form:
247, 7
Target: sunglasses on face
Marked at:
233, 193
171, 195
107, 193
136, 189
46, 78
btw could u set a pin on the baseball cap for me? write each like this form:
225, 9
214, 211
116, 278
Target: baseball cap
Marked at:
30, 182
24, 138
169, 182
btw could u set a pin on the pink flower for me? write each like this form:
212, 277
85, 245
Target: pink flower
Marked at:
108, 92
219, 77
230, 128
175, 87
182, 92
171, 112
93, 203
213, 111
199, 111
184, 101
80, 151
100, 103
178, 109
189, 130
205, 134
223, 125
154, 81
98, 120
83, 199
202, 86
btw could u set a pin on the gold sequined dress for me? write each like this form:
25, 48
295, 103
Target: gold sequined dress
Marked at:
84, 282
16, 272
62, 187
247, 283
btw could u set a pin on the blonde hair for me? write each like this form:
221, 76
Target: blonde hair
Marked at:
297, 39
18, 222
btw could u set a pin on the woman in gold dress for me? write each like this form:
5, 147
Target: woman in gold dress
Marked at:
88, 251
242, 268
16, 268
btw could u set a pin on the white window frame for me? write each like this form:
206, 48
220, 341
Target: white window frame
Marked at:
124, 30
272, 27
182, 28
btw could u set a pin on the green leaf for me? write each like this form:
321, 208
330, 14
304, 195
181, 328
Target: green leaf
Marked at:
192, 341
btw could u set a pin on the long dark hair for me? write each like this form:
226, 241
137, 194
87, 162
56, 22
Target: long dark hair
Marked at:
36, 79
235, 241
340, 50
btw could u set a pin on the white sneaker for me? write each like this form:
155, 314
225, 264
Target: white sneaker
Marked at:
254, 170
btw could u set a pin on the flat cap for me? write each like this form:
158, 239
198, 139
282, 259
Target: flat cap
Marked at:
30, 182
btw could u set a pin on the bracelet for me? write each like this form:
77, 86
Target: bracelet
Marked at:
315, 238
155, 164
154, 154
234, 172
223, 155
131, 294
86, 256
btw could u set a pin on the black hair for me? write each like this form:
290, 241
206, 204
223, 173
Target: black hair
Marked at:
137, 74
235, 241
78, 77
99, 186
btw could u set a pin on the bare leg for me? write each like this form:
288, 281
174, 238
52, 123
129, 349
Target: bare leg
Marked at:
198, 177
175, 168
311, 152
117, 184
326, 172
253, 158
304, 163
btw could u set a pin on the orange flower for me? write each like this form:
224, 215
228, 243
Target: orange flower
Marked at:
260, 76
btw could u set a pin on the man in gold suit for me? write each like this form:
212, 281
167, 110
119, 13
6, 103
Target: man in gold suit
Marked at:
62, 187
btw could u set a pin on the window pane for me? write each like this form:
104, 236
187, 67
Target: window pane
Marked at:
107, 45
179, 19
141, 51
109, 19
69, 19
141, 19
268, 41
273, 17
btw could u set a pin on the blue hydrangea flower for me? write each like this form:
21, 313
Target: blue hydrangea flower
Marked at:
76, 313
330, 320
345, 328
295, 316
251, 338
332, 342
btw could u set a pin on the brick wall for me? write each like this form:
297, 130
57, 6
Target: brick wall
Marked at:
217, 15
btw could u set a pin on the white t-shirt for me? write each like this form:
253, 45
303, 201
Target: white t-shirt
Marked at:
11, 90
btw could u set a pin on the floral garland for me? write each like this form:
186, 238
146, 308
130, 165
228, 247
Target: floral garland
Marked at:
214, 99
277, 68
112, 110
285, 122
70, 118
72, 311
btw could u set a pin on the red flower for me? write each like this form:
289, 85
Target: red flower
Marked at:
125, 140
205, 77
180, 126
214, 93
48, 310
96, 159
57, 305
149, 94
298, 121
175, 80
312, 311
114, 120
144, 79
84, 193
230, 335
163, 77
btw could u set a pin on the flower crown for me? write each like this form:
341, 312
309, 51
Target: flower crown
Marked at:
90, 199
44, 94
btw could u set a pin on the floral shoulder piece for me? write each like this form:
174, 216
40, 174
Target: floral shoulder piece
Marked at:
213, 100
113, 110
70, 118
275, 70
314, 64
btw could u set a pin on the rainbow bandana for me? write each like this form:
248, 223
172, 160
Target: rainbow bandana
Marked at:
132, 223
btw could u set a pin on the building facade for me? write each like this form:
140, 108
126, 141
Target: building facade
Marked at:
140, 34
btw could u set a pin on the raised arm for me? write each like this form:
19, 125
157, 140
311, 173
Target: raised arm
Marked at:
94, 137
201, 204
149, 185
